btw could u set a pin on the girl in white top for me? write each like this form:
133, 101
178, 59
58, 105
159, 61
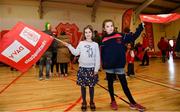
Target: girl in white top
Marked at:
89, 64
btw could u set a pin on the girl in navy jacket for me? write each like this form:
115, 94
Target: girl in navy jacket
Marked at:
113, 55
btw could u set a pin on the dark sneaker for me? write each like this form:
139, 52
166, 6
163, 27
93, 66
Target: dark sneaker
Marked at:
92, 106
137, 107
114, 105
84, 107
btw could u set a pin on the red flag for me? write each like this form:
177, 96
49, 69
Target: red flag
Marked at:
22, 46
126, 19
161, 18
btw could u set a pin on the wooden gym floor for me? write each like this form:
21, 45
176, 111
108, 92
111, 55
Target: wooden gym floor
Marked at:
157, 87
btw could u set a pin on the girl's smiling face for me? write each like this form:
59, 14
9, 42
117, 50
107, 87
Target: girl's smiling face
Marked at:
109, 27
88, 34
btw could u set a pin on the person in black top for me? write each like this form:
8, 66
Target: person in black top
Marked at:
114, 58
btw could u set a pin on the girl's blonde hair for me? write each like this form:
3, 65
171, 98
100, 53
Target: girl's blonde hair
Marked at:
88, 27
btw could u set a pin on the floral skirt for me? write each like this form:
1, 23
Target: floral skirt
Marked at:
86, 77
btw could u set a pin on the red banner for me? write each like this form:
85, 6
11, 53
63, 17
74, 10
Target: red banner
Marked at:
126, 19
161, 18
22, 46
72, 32
145, 40
149, 34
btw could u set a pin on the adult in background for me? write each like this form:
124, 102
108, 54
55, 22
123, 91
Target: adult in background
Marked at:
63, 54
163, 45
54, 56
145, 48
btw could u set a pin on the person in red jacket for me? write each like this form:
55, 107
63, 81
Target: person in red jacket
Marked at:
163, 45
130, 59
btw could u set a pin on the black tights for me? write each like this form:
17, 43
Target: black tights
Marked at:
91, 93
124, 85
64, 68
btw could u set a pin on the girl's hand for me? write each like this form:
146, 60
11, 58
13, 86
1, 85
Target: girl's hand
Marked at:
65, 43
143, 24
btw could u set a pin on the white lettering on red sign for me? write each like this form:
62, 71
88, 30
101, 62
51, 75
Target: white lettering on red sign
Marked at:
36, 52
30, 36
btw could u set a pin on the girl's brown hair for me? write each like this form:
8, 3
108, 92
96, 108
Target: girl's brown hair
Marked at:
88, 27
104, 23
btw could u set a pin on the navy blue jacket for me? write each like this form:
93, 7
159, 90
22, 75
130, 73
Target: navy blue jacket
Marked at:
113, 52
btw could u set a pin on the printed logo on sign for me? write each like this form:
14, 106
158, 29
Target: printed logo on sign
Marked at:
30, 35
16, 51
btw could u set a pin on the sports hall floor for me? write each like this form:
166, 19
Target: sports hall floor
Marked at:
157, 87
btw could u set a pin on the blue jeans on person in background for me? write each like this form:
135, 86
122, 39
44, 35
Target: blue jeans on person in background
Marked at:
45, 60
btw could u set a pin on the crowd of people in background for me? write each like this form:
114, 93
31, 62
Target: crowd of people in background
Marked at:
56, 55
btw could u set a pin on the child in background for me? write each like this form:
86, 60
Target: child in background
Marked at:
113, 57
89, 64
130, 59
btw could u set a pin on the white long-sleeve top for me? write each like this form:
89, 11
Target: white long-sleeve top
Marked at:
89, 54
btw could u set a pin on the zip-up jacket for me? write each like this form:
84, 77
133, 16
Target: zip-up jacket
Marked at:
113, 52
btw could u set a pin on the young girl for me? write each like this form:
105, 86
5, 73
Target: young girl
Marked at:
114, 58
89, 64
130, 59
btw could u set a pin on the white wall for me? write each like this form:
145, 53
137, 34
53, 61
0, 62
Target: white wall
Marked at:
12, 12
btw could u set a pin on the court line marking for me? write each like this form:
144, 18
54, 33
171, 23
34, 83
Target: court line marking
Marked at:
73, 105
159, 80
53, 106
18, 77
41, 108
70, 107
157, 83
11, 83
154, 82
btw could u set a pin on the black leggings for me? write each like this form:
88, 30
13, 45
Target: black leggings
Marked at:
145, 58
64, 68
54, 62
91, 93
124, 85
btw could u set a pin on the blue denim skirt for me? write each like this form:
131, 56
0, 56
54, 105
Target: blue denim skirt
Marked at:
115, 71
